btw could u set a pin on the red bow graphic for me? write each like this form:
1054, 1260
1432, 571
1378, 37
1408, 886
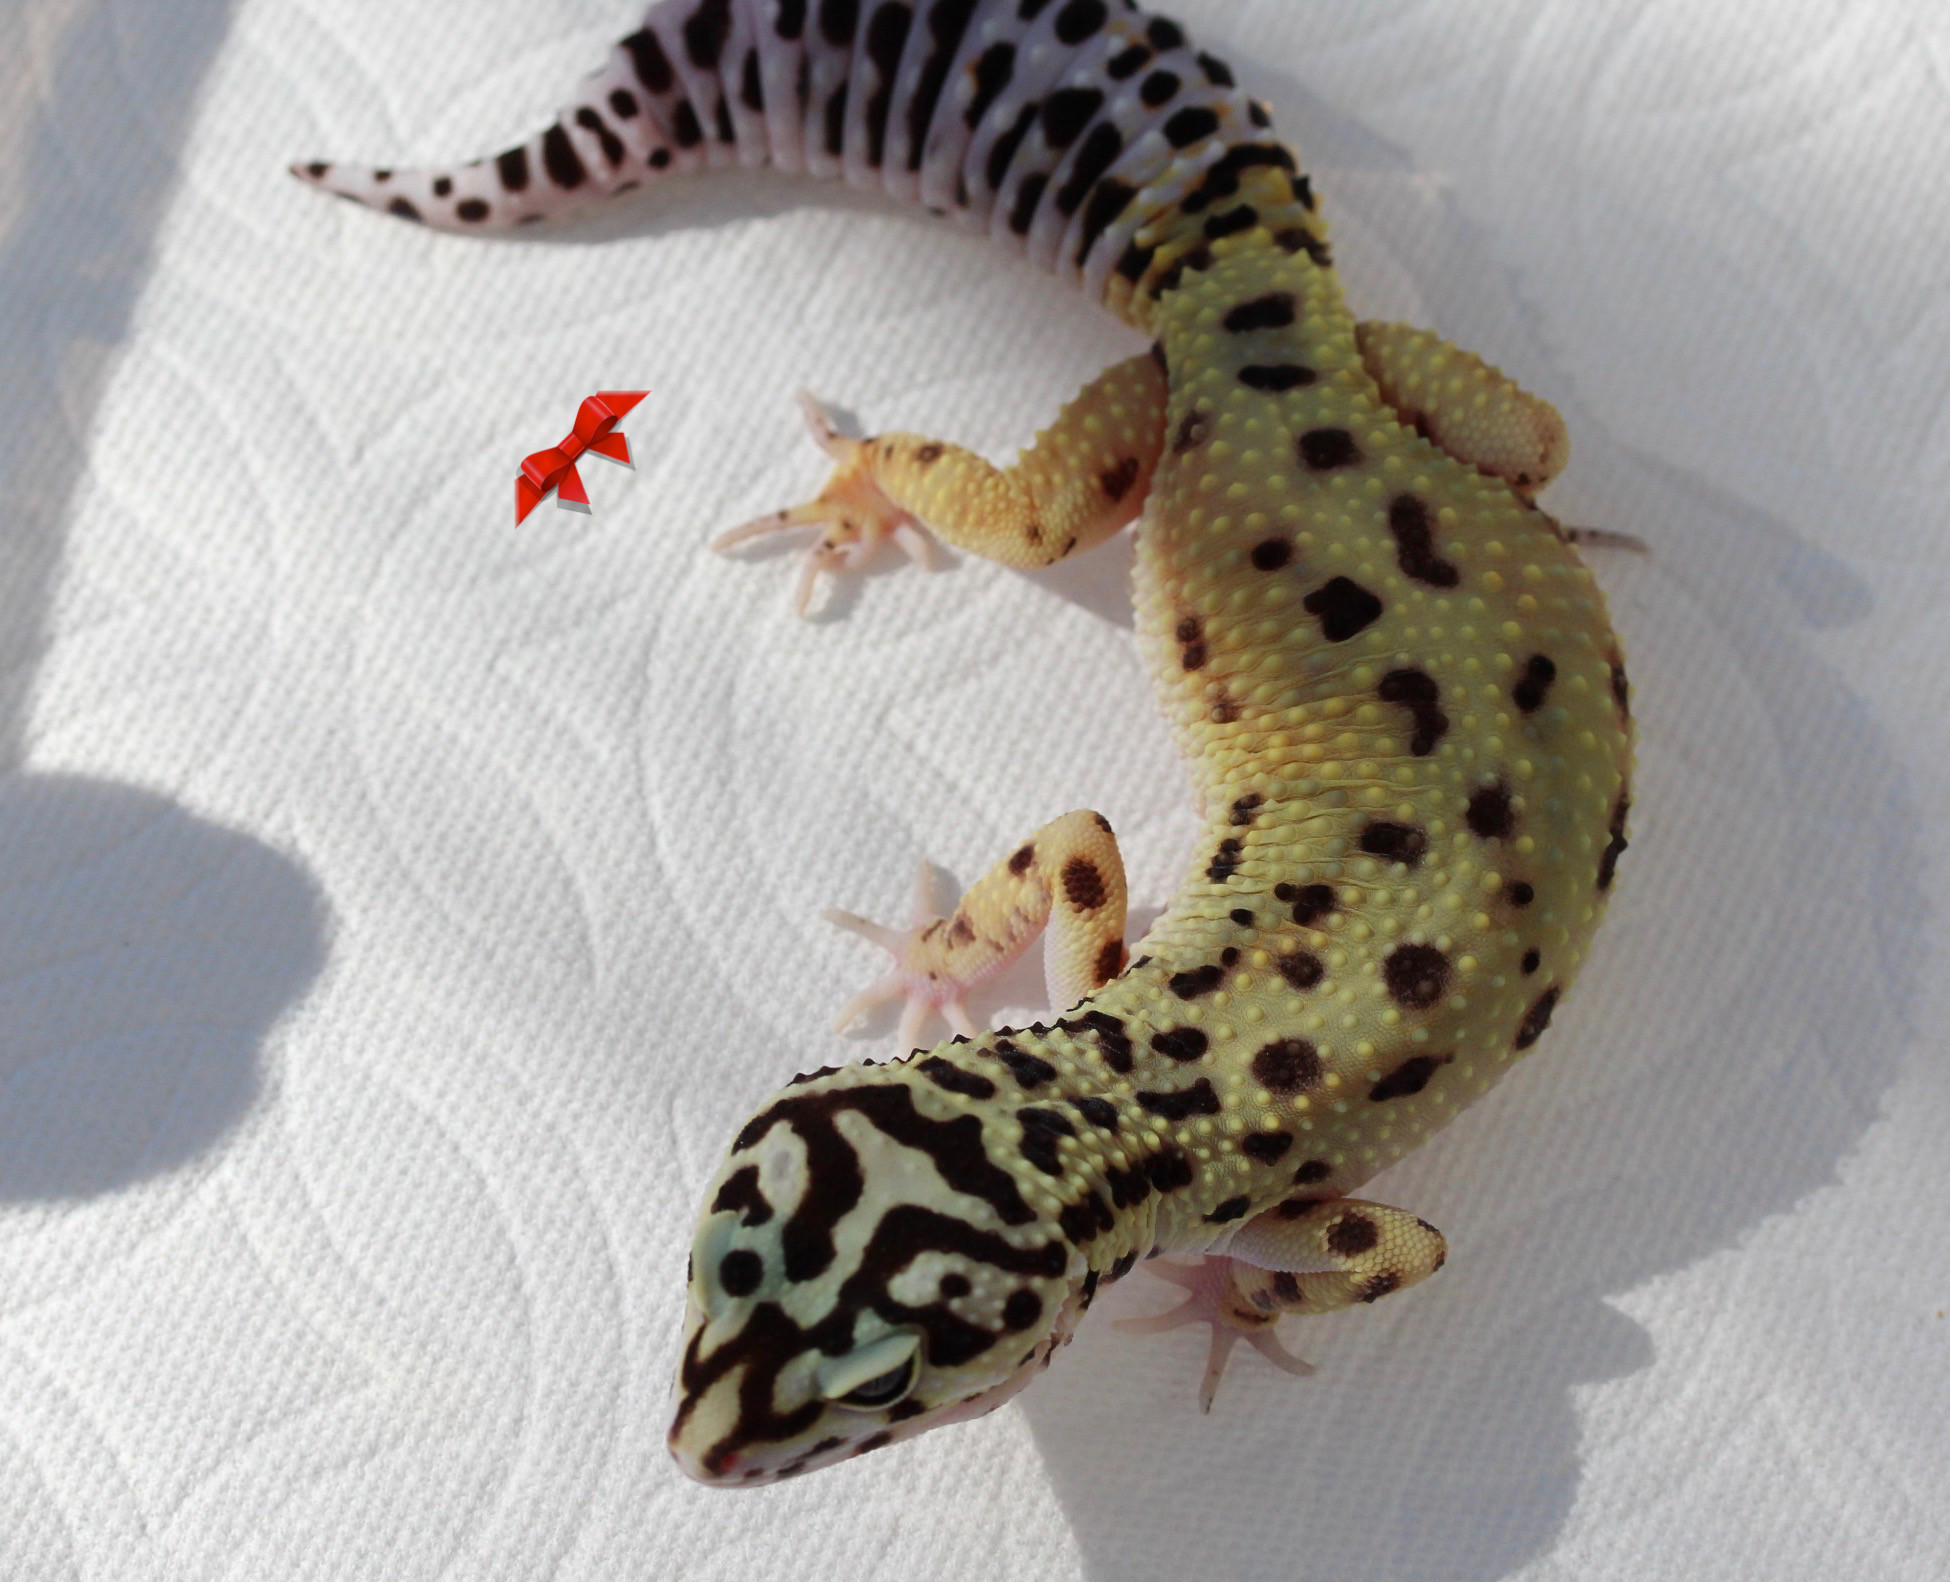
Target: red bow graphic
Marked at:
555, 469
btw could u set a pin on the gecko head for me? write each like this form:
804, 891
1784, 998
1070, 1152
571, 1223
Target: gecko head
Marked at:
862, 1272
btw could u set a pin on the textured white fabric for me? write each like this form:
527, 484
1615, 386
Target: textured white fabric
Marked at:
398, 911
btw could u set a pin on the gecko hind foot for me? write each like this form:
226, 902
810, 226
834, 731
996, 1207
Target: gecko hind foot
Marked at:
1210, 1299
853, 516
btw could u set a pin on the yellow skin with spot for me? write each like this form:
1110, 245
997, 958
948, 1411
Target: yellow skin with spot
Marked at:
1287, 1028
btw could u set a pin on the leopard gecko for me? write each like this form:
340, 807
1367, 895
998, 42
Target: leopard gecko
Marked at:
1403, 706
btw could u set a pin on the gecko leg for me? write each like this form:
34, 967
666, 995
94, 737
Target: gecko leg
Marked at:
1465, 407
1066, 882
1307, 1255
1084, 478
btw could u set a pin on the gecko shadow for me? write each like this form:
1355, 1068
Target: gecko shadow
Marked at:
144, 951
1770, 905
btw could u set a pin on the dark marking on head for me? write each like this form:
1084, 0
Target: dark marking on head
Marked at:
1416, 975
1183, 1044
1181, 1103
951, 1078
1343, 607
740, 1195
1288, 1065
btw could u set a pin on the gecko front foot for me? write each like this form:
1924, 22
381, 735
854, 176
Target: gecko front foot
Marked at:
852, 514
920, 974
1211, 1298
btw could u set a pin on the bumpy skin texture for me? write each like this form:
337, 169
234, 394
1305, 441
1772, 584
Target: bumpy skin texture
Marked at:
1403, 706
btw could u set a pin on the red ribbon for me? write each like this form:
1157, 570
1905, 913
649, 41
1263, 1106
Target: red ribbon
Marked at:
555, 468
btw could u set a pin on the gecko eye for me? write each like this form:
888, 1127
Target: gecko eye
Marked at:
876, 1375
885, 1390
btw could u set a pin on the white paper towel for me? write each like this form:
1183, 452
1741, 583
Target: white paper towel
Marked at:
398, 911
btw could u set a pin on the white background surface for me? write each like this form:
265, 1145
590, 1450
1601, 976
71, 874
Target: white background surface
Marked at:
398, 912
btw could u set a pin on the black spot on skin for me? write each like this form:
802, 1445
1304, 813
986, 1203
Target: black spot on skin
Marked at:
901, 1411
951, 1078
1217, 72
652, 65
1117, 481
1522, 893
1621, 689
1021, 1310
1110, 199
1192, 431
954, 1285
1416, 691
1302, 969
1067, 112
1416, 976
1030, 1071
1110, 960
1408, 520
886, 38
1029, 196
1233, 1208
471, 209
1127, 63
1271, 554
1344, 609
1159, 88
684, 125
1273, 311
1183, 1044
1532, 960
1040, 1131
1225, 861
1489, 814
927, 455
1410, 1077
1198, 1099
1286, 1287
622, 104
1276, 377
705, 31
1112, 1041
1190, 635
443, 186
1289, 1065
740, 1195
612, 145
1242, 916
1312, 1171
660, 158
1193, 124
1164, 34
1534, 685
1537, 1018
1379, 1287
1392, 842
1232, 222
1096, 155
1353, 1234
740, 1272
1083, 885
1244, 809
1123, 1266
1311, 902
947, 24
1615, 846
838, 19
1190, 984
1085, 1221
1079, 20
1019, 864
1267, 1147
1298, 239
1101, 1113
1324, 449
403, 209
1089, 1289
1168, 1170
992, 73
